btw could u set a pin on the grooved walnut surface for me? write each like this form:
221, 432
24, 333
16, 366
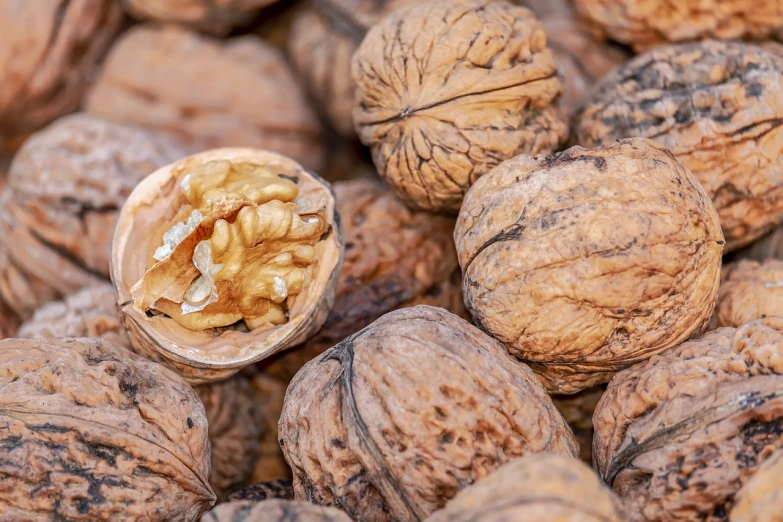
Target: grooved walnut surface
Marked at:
273, 511
213, 16
678, 435
586, 262
761, 498
395, 420
719, 107
749, 290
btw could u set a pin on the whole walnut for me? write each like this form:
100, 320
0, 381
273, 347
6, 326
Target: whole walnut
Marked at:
577, 410
273, 511
58, 212
270, 466
761, 498
207, 93
535, 488
586, 262
274, 489
213, 16
769, 246
448, 89
718, 107
749, 290
49, 50
396, 419
678, 435
89, 431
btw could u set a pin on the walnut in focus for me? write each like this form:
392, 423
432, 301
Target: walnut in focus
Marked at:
577, 410
448, 89
88, 431
749, 290
207, 93
768, 247
273, 511
395, 420
213, 16
275, 489
50, 49
535, 488
719, 107
270, 465
678, 435
586, 262
761, 498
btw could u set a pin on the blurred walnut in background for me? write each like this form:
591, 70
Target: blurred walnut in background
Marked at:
749, 290
213, 16
768, 247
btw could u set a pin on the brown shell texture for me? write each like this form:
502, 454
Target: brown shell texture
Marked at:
749, 290
769, 246
448, 89
88, 431
275, 489
535, 488
50, 49
394, 258
395, 420
58, 212
577, 410
270, 465
586, 262
213, 16
273, 511
207, 93
677, 436
719, 108
761, 498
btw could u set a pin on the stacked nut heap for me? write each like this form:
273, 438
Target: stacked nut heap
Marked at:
391, 260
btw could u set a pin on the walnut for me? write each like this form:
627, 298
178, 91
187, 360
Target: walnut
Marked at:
370, 427
207, 93
761, 498
280, 489
89, 431
49, 50
589, 261
213, 16
394, 258
769, 246
535, 488
58, 213
749, 290
577, 410
224, 258
273, 511
718, 107
448, 89
676, 436
270, 465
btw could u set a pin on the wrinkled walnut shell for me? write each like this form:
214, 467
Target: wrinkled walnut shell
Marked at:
761, 498
275, 489
749, 290
213, 16
273, 511
577, 410
586, 262
371, 427
678, 435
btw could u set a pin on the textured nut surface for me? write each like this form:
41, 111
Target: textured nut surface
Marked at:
88, 431
58, 212
769, 246
535, 488
761, 498
213, 16
678, 435
207, 93
370, 427
577, 410
749, 290
275, 489
50, 48
719, 108
449, 89
270, 465
586, 262
273, 511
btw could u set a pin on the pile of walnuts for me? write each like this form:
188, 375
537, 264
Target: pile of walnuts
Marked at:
391, 260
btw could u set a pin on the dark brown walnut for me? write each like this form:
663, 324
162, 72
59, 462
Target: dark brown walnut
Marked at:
392, 422
394, 258
89, 431
275, 489
50, 49
768, 247
677, 436
749, 290
207, 93
58, 212
448, 89
213, 16
577, 410
718, 107
273, 511
270, 465
586, 262
535, 488
224, 258
761, 498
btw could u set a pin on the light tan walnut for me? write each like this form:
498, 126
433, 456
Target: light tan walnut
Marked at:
749, 290
761, 498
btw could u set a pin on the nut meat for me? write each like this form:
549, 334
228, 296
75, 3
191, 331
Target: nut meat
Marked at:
761, 498
749, 290
273, 511
213, 16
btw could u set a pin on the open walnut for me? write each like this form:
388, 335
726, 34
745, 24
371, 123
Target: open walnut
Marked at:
213, 16
371, 426
749, 290
577, 410
678, 435
761, 498
768, 247
207, 93
49, 50
273, 511
225, 257
448, 89
89, 431
586, 262
719, 107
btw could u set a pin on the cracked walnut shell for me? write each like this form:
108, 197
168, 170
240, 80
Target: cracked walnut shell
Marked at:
213, 16
761, 498
225, 257
749, 290
449, 89
678, 435
370, 427
586, 262
719, 107
89, 431
275, 510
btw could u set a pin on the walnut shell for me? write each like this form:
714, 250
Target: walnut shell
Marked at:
577, 410
370, 427
275, 489
535, 488
449, 89
678, 435
213, 16
761, 498
88, 431
207, 355
718, 107
273, 511
270, 465
769, 246
49, 51
589, 261
749, 290
207, 93
58, 213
